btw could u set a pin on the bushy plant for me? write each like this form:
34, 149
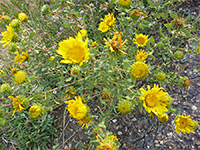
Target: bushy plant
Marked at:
117, 55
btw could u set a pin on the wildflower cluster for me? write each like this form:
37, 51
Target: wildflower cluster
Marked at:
95, 63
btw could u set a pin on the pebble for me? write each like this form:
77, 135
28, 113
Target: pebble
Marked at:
114, 120
119, 133
157, 145
194, 107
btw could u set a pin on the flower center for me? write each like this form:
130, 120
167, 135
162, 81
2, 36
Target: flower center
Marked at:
151, 100
77, 54
107, 146
140, 40
183, 123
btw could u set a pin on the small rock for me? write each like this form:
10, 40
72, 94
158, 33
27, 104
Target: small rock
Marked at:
161, 142
194, 107
157, 145
156, 141
114, 120
119, 133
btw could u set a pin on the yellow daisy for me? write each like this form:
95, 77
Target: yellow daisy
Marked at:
141, 56
83, 32
107, 22
139, 70
185, 124
22, 16
103, 27
17, 104
19, 77
74, 50
21, 58
109, 142
141, 40
198, 50
155, 100
76, 108
116, 43
7, 36
125, 2
84, 122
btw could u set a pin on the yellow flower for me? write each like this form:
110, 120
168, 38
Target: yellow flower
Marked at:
7, 36
94, 44
19, 77
125, 2
21, 58
155, 100
198, 50
51, 58
83, 32
74, 50
136, 12
84, 122
160, 76
163, 117
13, 70
141, 56
76, 108
139, 70
141, 40
17, 104
185, 82
116, 43
22, 16
103, 27
107, 143
35, 111
125, 106
185, 124
107, 22
4, 18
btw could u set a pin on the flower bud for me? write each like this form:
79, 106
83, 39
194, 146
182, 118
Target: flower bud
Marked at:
179, 54
45, 9
16, 25
125, 3
160, 76
22, 17
163, 118
35, 111
6, 19
3, 122
5, 88
19, 77
12, 47
124, 106
75, 70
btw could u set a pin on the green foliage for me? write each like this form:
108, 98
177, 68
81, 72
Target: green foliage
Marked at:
105, 78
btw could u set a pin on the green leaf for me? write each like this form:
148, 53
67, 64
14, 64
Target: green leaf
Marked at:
160, 44
151, 56
150, 3
67, 25
168, 26
11, 135
76, 13
37, 96
55, 6
31, 35
173, 14
32, 78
